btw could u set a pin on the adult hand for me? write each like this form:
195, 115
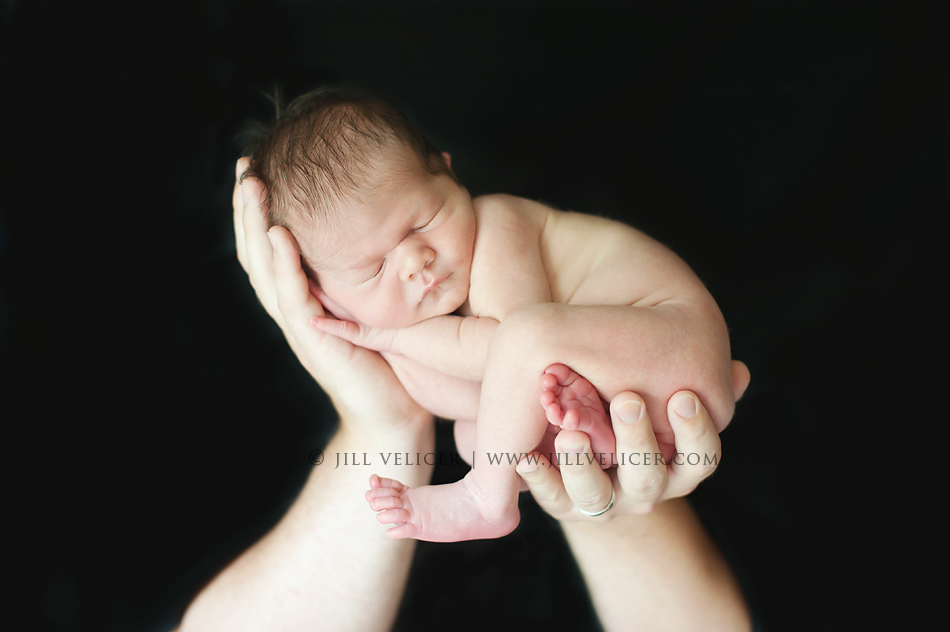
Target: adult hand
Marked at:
360, 383
642, 479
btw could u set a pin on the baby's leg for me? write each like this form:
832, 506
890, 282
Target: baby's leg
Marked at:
615, 348
511, 423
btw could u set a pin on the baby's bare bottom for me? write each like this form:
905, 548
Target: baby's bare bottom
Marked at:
651, 351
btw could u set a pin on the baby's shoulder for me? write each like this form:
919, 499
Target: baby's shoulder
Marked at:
510, 212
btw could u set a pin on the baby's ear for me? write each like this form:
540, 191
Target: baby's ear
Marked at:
448, 159
329, 304
315, 290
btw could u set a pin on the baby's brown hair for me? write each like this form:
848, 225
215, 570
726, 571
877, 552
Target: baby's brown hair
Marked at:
322, 147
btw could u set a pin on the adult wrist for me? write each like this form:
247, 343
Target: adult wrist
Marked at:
405, 454
416, 433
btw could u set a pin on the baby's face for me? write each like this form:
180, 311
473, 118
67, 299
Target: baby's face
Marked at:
404, 255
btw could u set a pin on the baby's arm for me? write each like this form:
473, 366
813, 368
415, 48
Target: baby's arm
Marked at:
454, 345
507, 273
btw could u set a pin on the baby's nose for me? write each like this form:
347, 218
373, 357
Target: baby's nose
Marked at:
415, 261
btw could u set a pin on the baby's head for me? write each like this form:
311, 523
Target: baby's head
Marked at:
382, 223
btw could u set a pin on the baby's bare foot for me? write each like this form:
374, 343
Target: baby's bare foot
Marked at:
572, 403
569, 400
440, 513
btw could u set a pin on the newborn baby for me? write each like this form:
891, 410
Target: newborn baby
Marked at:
474, 302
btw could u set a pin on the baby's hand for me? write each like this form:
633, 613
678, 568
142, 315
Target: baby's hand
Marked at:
374, 338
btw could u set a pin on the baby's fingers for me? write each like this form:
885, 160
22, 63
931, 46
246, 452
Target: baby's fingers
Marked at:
345, 329
367, 337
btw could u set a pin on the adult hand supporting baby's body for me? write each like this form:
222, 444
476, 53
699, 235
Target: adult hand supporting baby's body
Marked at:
346, 372
643, 477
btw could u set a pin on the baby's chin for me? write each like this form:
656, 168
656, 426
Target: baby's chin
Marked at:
453, 301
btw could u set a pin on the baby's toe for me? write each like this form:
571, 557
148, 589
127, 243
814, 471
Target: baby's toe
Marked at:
393, 516
552, 413
386, 503
571, 420
407, 530
560, 372
379, 482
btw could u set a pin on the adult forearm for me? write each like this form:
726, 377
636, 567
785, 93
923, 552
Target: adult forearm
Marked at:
328, 564
659, 571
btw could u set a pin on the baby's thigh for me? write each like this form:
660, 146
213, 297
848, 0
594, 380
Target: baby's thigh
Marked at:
606, 346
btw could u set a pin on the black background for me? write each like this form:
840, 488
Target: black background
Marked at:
793, 153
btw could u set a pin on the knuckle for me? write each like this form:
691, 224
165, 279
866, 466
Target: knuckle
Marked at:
592, 501
694, 429
698, 469
545, 495
649, 486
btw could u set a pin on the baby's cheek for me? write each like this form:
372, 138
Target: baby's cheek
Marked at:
340, 306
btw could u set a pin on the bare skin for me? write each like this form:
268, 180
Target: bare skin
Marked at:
657, 570
570, 402
534, 291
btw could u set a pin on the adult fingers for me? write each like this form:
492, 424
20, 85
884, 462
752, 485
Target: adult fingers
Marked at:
545, 484
698, 448
292, 284
259, 251
237, 203
255, 222
589, 488
642, 472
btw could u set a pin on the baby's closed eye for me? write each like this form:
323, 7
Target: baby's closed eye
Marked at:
428, 224
375, 274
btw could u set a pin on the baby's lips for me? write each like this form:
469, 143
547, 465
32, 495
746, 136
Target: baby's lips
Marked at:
432, 286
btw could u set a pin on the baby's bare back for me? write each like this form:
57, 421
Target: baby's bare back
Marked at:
525, 249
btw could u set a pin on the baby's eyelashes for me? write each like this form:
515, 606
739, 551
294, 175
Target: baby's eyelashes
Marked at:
378, 271
427, 225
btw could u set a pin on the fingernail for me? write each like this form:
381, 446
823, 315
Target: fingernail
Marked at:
527, 469
273, 242
573, 449
629, 412
685, 406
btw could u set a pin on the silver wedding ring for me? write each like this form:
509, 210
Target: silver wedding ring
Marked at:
594, 514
